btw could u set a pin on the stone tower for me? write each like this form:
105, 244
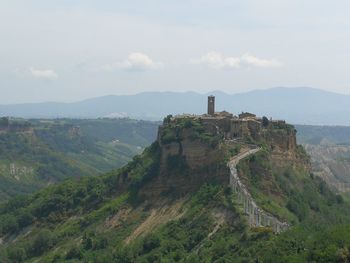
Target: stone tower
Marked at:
211, 105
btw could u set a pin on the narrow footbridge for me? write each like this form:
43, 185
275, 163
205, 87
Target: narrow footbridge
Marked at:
257, 216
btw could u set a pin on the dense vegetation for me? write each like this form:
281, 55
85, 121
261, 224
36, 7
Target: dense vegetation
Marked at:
34, 164
61, 212
103, 218
319, 220
176, 129
36, 153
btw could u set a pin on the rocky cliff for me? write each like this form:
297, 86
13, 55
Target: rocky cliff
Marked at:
193, 152
189, 157
331, 162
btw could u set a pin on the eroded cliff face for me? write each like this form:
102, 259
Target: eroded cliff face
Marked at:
188, 160
282, 144
281, 140
284, 149
193, 153
196, 151
332, 163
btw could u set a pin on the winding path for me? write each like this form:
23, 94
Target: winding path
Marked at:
257, 216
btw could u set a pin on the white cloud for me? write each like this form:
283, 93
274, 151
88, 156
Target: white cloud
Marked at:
217, 61
135, 62
43, 73
259, 62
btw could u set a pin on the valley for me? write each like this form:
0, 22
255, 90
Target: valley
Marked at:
37, 153
174, 202
329, 149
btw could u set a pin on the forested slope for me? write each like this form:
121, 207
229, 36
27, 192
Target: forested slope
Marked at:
36, 153
117, 218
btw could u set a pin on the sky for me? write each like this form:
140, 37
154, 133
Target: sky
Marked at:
69, 50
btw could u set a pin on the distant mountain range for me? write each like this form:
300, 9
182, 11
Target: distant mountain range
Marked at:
296, 105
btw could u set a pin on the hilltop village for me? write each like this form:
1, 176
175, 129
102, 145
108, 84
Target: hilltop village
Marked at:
246, 126
194, 140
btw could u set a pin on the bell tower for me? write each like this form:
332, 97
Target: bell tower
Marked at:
211, 105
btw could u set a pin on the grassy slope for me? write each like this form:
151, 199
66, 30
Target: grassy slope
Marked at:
63, 211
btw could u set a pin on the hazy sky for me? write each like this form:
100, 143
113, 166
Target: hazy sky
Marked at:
67, 50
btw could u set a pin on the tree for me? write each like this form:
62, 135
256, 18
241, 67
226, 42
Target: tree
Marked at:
43, 241
265, 121
25, 218
167, 119
150, 242
8, 224
16, 254
74, 252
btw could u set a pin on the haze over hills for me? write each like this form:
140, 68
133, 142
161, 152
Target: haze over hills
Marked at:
296, 105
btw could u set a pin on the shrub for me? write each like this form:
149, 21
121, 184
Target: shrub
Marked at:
74, 252
265, 121
8, 224
16, 254
25, 218
150, 242
44, 240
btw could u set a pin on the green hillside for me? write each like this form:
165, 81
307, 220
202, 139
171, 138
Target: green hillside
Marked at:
36, 153
157, 209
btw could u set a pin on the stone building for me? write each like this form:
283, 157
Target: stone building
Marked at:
211, 105
246, 115
246, 126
